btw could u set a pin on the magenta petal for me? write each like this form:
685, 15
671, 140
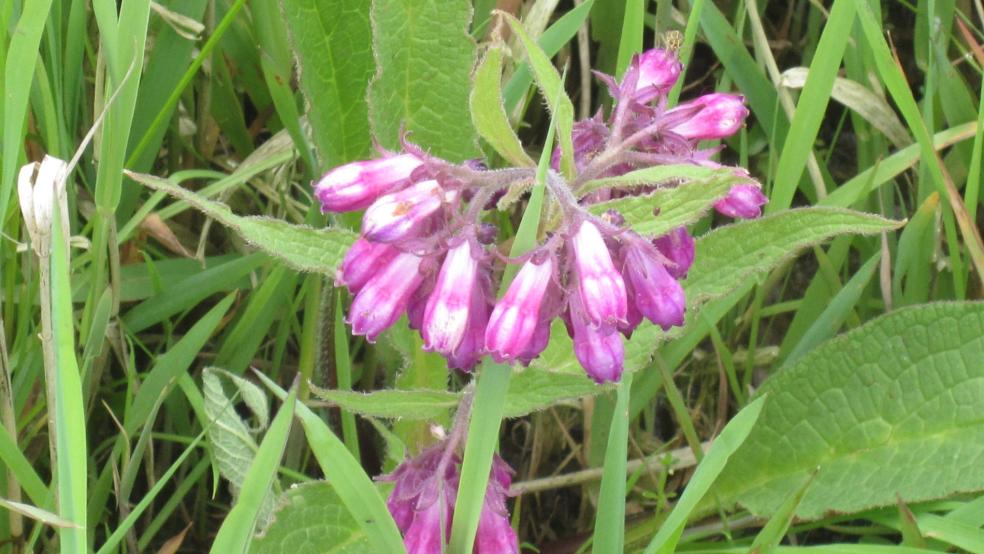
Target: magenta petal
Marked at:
742, 201
514, 319
678, 247
446, 314
600, 285
356, 185
658, 71
402, 214
715, 116
363, 261
384, 298
656, 294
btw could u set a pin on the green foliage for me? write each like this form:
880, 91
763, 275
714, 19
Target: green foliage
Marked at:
424, 58
887, 409
310, 519
333, 45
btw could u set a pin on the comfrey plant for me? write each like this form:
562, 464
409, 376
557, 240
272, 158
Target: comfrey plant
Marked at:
427, 250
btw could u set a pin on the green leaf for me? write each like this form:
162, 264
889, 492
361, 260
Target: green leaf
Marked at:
487, 112
609, 531
250, 509
311, 519
534, 389
397, 404
424, 58
668, 208
551, 86
727, 259
333, 46
232, 440
724, 447
889, 408
299, 246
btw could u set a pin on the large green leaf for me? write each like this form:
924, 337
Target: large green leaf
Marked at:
300, 247
727, 258
424, 58
333, 46
891, 408
311, 519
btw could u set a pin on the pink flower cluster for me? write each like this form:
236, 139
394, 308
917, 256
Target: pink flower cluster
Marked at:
422, 504
427, 251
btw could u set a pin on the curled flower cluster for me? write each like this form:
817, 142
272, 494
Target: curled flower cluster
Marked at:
422, 503
425, 249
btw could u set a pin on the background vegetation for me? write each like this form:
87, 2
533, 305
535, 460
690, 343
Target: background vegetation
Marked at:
122, 352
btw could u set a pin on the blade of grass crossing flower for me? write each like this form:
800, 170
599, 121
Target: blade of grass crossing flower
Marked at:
346, 476
609, 530
71, 452
630, 42
493, 383
898, 88
22, 53
239, 526
812, 104
733, 435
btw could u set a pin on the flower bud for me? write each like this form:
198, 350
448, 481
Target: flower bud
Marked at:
356, 185
715, 116
384, 297
470, 350
743, 201
363, 261
599, 284
656, 294
514, 319
658, 71
446, 314
678, 247
401, 215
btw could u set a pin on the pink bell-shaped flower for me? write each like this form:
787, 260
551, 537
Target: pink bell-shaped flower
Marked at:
356, 185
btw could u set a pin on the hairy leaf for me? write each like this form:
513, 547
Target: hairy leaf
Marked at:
488, 114
333, 46
396, 404
299, 246
311, 519
424, 58
891, 408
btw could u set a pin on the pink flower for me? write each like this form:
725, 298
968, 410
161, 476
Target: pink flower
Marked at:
658, 71
446, 314
600, 285
362, 261
656, 294
402, 214
356, 185
678, 247
384, 298
514, 319
470, 350
743, 201
714, 116
599, 349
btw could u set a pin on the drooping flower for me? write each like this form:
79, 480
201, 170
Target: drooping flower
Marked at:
599, 349
495, 534
363, 261
513, 323
384, 298
743, 201
600, 286
356, 185
678, 247
655, 293
471, 349
446, 315
402, 214
711, 116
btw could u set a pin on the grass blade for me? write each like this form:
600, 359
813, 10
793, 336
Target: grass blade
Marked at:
237, 530
724, 446
609, 531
